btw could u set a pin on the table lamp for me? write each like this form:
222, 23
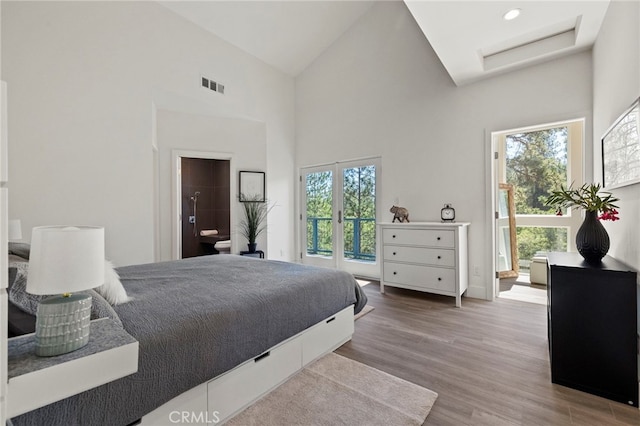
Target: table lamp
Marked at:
63, 260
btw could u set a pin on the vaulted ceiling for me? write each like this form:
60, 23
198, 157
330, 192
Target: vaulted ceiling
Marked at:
288, 35
471, 38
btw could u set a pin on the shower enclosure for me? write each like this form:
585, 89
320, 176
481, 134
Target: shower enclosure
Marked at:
205, 186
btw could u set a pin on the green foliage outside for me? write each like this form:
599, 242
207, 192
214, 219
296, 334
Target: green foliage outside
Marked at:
319, 205
358, 214
533, 239
536, 166
360, 203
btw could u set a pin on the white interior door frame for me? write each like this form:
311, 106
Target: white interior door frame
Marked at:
492, 193
176, 195
575, 172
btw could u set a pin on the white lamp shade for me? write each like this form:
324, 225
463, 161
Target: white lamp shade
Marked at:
65, 259
15, 230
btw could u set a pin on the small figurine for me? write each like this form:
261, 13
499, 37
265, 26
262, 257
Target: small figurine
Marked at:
399, 213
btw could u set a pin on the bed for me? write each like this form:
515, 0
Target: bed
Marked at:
197, 319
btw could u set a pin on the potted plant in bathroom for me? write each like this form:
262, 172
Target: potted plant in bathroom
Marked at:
254, 221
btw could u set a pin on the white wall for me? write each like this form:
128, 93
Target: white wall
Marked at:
616, 84
84, 79
381, 90
204, 134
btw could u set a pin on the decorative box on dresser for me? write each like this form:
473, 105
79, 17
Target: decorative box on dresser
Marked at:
592, 326
425, 256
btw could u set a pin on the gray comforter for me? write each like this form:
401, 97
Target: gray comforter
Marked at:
197, 318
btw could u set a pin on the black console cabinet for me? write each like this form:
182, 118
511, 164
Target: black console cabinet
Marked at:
592, 326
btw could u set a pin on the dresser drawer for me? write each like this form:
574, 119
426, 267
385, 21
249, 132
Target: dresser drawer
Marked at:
427, 277
430, 256
419, 237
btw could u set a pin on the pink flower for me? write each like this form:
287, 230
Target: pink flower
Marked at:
609, 215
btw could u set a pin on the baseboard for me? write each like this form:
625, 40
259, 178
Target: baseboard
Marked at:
477, 292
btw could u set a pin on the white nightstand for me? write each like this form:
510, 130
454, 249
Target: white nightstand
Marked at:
38, 381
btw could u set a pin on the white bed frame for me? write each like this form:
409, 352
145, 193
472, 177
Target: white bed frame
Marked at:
221, 398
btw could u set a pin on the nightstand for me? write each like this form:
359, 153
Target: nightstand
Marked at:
257, 253
38, 381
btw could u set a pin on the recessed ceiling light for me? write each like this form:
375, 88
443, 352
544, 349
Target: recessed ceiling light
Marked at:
512, 14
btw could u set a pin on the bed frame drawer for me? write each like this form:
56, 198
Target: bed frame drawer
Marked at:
191, 404
226, 395
230, 392
331, 333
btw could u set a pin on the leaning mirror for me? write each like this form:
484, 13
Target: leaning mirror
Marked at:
507, 246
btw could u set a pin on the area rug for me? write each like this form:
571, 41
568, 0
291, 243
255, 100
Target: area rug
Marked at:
363, 312
339, 391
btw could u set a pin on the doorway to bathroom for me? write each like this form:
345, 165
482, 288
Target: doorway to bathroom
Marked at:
204, 205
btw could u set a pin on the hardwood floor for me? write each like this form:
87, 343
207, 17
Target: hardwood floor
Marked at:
488, 361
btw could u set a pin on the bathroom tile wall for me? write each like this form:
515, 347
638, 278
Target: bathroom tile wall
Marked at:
211, 179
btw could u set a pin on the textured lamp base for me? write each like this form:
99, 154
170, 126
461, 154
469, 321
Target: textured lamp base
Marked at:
62, 324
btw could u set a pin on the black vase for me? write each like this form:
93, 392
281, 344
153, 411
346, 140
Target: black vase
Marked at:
252, 247
592, 239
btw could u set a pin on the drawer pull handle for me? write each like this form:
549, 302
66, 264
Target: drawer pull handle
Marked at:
393, 236
395, 273
439, 279
438, 238
261, 357
394, 253
330, 319
439, 257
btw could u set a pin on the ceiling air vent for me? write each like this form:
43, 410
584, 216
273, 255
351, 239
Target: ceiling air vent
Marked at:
209, 84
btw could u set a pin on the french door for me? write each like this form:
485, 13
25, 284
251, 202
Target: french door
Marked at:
338, 216
531, 163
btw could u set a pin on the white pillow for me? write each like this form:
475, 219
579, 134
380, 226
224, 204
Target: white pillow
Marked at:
112, 289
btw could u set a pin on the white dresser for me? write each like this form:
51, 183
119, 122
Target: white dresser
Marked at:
425, 256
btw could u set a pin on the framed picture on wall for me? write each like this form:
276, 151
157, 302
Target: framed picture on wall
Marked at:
621, 150
252, 186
